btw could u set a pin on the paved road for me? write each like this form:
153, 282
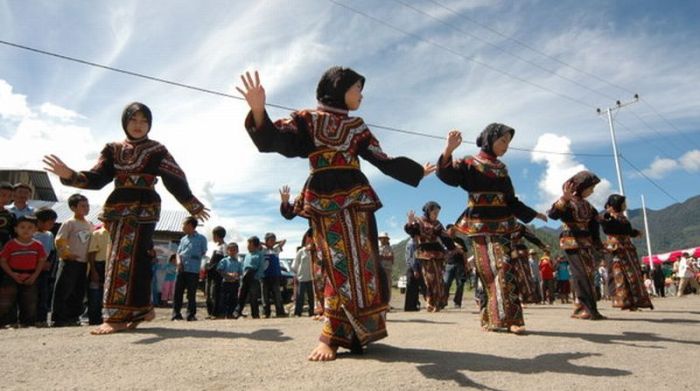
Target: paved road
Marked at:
643, 350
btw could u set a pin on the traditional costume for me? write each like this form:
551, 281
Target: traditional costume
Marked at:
432, 243
580, 240
528, 287
489, 220
340, 204
626, 283
130, 214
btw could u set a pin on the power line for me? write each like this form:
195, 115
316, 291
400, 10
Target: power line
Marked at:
458, 54
649, 179
516, 56
689, 139
278, 106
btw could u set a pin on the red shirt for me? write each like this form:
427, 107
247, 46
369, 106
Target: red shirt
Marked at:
546, 270
23, 257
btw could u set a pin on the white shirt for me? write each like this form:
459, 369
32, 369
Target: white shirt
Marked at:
685, 268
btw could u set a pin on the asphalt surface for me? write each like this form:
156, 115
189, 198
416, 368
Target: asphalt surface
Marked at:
654, 350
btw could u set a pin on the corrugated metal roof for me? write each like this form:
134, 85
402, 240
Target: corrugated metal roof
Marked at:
170, 220
37, 180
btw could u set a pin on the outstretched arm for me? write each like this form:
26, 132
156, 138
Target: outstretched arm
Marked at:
446, 170
254, 94
96, 178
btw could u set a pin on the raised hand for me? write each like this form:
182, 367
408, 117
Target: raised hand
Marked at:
254, 94
542, 217
284, 194
428, 168
454, 140
569, 191
56, 166
203, 214
411, 216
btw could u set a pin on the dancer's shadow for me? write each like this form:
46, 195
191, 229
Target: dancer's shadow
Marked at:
162, 334
441, 365
627, 338
679, 312
425, 321
663, 321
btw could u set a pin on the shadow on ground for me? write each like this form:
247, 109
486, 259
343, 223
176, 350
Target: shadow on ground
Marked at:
162, 334
627, 338
449, 366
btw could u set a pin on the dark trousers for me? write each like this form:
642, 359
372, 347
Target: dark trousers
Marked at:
305, 288
14, 296
212, 289
272, 293
250, 292
413, 288
228, 297
69, 293
96, 294
454, 272
43, 304
548, 290
185, 280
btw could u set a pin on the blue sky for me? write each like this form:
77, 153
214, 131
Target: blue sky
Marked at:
420, 79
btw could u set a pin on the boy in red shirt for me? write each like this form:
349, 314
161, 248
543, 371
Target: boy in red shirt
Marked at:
22, 259
547, 272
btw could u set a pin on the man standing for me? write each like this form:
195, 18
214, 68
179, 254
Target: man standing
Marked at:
455, 269
686, 271
386, 257
192, 248
535, 270
413, 278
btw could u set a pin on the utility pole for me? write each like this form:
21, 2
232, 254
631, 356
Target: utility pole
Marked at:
616, 156
647, 234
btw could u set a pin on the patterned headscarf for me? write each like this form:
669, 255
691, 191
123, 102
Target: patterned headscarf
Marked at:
129, 112
615, 201
582, 180
490, 134
333, 85
429, 207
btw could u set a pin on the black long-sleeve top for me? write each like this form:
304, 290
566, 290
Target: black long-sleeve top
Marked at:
580, 228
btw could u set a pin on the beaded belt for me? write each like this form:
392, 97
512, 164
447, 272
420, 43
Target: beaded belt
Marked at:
333, 160
486, 199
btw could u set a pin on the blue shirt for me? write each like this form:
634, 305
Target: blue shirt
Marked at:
273, 264
191, 250
254, 261
229, 265
563, 271
28, 210
411, 262
46, 240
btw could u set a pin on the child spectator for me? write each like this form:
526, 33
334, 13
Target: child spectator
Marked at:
7, 218
230, 270
97, 259
253, 272
563, 277
46, 218
72, 242
22, 259
213, 283
192, 248
169, 280
273, 274
547, 273
21, 194
302, 268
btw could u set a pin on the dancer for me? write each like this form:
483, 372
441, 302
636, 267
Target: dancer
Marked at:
489, 220
528, 287
625, 275
130, 213
338, 199
580, 240
431, 242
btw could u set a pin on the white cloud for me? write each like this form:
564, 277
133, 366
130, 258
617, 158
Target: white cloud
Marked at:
559, 168
58, 112
12, 105
661, 167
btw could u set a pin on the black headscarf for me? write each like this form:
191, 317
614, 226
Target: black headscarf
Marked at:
334, 83
129, 112
429, 207
615, 201
583, 180
490, 134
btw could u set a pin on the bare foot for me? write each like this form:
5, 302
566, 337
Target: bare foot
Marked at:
323, 352
109, 328
517, 330
146, 318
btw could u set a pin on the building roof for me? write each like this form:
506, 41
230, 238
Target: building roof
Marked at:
170, 220
37, 180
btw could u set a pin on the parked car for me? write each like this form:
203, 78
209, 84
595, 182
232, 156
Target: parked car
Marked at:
402, 284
